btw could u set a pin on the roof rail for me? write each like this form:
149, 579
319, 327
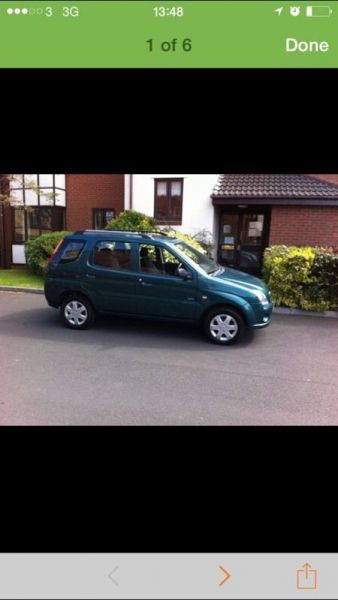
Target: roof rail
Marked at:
146, 233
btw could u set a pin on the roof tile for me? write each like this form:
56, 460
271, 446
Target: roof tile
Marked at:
272, 186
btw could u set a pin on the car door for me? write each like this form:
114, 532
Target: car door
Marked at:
160, 292
111, 276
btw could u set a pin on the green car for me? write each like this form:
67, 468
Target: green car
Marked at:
151, 275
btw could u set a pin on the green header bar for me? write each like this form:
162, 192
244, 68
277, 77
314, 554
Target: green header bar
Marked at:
168, 34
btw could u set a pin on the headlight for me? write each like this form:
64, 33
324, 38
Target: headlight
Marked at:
261, 297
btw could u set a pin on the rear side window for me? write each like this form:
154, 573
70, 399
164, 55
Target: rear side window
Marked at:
71, 251
113, 255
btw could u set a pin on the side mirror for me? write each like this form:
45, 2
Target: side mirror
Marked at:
184, 274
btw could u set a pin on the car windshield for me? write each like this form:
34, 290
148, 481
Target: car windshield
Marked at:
207, 264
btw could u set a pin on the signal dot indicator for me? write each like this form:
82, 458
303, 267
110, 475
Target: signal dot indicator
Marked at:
17, 11
24, 11
10, 11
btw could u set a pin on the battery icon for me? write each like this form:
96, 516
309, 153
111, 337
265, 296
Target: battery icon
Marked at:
318, 11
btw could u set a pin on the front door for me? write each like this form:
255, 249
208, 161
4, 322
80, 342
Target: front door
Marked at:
160, 292
243, 238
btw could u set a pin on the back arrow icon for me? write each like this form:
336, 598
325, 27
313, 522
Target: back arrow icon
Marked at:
111, 576
226, 575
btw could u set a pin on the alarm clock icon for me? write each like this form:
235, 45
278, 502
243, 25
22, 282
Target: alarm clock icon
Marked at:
295, 11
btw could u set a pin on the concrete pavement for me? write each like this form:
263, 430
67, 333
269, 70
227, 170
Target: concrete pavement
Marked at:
133, 372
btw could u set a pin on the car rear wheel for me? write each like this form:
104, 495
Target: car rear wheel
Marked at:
77, 312
223, 326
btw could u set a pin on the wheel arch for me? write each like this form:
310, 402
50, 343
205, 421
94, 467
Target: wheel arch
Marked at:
70, 293
220, 305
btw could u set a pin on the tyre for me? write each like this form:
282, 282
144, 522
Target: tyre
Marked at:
77, 312
223, 325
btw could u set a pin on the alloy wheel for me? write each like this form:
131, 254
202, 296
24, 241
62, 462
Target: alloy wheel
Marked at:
75, 313
223, 327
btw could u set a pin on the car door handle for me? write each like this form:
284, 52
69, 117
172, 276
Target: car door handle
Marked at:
90, 276
140, 280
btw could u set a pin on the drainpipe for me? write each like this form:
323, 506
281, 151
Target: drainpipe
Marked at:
2, 238
130, 192
4, 188
5, 236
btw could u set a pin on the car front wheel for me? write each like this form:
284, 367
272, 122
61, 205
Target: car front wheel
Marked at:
77, 313
223, 326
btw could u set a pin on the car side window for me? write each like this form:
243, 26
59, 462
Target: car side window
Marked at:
71, 251
150, 259
170, 263
113, 255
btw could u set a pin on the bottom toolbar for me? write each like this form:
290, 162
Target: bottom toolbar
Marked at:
169, 576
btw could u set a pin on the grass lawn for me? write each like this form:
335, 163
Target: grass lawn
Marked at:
20, 278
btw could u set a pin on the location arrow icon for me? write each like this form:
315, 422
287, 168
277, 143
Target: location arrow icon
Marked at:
226, 575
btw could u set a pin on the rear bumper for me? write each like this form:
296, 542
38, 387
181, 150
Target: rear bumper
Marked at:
52, 304
51, 294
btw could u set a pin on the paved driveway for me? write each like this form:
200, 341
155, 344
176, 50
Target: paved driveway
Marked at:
126, 372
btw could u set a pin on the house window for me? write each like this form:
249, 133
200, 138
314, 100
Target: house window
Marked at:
102, 216
38, 190
168, 201
19, 226
31, 221
33, 229
38, 203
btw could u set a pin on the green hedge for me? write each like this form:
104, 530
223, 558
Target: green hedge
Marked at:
325, 268
302, 277
39, 250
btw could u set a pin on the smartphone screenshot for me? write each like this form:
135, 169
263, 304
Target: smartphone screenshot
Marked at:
169, 299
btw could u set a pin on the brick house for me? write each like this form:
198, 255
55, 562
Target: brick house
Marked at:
244, 213
256, 211
41, 203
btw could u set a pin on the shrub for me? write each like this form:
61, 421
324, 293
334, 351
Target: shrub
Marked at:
302, 277
325, 268
39, 250
269, 255
205, 239
132, 220
184, 237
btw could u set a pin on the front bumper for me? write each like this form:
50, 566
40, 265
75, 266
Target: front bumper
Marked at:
261, 325
263, 315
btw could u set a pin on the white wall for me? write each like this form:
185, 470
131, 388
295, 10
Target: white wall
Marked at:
198, 212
